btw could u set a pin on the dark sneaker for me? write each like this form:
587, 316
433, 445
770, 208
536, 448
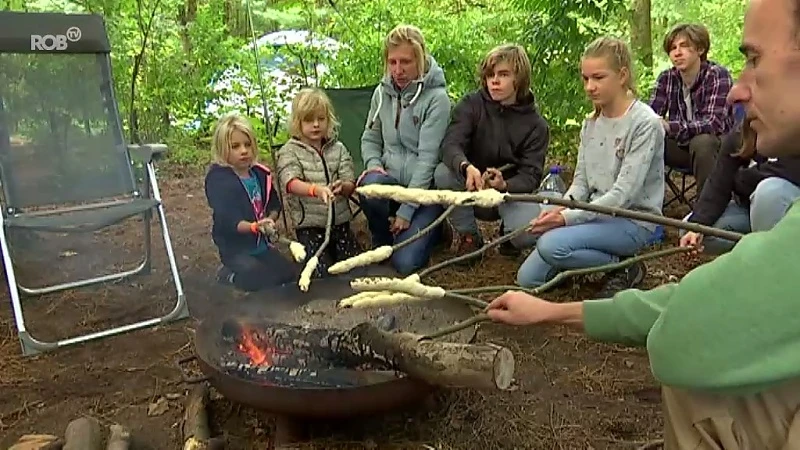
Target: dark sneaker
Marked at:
469, 242
224, 275
622, 279
508, 249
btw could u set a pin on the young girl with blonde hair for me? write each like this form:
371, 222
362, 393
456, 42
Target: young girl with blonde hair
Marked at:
620, 164
315, 169
242, 197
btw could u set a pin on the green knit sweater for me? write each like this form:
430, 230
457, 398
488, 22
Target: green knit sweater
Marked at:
729, 326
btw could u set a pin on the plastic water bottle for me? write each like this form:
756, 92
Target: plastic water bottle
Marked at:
553, 185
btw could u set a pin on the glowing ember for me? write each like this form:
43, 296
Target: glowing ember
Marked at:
259, 352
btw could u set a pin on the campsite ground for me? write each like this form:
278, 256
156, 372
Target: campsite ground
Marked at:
573, 393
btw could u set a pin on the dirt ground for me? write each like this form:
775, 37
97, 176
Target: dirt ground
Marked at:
572, 393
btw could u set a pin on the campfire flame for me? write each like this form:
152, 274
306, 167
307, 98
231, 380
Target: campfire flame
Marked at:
259, 351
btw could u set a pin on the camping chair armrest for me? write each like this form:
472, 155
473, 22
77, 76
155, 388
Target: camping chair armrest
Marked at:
147, 152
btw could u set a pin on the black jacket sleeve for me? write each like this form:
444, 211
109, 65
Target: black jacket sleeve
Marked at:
530, 162
221, 197
459, 133
718, 190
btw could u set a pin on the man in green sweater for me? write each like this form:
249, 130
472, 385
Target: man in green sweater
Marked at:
725, 340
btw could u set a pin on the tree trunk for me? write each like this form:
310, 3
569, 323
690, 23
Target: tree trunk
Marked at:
641, 33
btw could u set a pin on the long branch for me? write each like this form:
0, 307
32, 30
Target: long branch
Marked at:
557, 279
628, 214
426, 229
455, 328
328, 226
474, 253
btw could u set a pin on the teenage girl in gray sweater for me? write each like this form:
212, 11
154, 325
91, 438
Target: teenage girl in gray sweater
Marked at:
620, 164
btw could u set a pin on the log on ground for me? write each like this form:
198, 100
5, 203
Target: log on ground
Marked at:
477, 366
119, 438
196, 432
84, 433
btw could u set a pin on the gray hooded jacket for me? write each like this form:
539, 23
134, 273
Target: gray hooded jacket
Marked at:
405, 129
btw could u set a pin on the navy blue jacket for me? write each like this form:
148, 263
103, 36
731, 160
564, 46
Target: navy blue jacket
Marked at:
230, 205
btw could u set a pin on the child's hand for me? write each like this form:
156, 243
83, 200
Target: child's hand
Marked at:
336, 187
266, 226
324, 193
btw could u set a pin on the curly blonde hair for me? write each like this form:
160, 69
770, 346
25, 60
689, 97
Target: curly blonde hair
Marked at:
221, 140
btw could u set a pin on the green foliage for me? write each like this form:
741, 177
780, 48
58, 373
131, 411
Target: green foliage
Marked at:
190, 43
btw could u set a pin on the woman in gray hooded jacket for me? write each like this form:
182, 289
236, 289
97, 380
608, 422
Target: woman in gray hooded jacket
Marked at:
408, 116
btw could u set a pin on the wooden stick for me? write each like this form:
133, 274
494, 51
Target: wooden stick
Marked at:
474, 253
628, 214
382, 253
463, 325
119, 438
574, 272
426, 229
84, 433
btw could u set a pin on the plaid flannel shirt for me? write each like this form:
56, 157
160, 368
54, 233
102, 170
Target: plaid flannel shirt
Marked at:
711, 113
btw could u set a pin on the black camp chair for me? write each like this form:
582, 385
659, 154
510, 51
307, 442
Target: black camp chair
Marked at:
64, 164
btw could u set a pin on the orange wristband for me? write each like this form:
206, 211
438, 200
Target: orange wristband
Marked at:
312, 192
254, 227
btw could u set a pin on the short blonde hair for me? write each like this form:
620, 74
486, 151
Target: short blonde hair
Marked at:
618, 55
517, 58
221, 140
307, 103
407, 34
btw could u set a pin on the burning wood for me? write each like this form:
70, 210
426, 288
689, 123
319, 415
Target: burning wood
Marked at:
294, 356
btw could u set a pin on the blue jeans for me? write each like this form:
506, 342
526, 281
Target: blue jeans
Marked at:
513, 215
415, 255
768, 204
604, 240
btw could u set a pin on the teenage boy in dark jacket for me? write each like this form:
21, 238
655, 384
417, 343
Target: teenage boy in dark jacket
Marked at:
496, 125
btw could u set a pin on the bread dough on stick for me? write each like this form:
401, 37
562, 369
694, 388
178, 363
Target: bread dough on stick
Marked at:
298, 251
351, 300
485, 198
305, 275
386, 298
363, 259
411, 287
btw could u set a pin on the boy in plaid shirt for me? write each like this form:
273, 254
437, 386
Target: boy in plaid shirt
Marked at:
691, 99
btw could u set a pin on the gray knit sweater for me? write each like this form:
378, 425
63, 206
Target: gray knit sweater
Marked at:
620, 164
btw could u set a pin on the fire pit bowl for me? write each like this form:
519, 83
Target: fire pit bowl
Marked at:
267, 351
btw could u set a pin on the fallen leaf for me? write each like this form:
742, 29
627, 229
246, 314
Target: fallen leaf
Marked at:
158, 408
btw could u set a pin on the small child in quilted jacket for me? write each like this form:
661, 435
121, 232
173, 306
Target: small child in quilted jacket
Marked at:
315, 169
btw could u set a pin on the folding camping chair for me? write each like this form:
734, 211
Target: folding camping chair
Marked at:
679, 193
64, 164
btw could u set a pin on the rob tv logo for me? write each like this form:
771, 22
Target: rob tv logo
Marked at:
49, 42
